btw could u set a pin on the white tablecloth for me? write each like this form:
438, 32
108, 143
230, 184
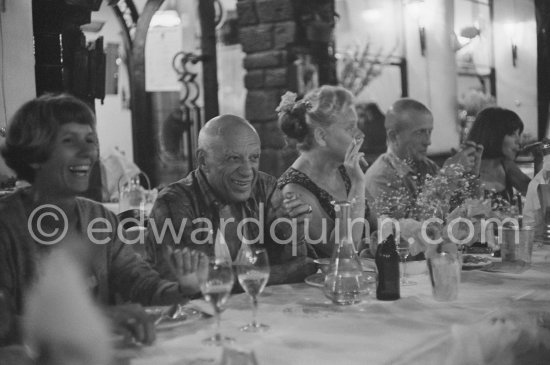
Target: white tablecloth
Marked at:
307, 329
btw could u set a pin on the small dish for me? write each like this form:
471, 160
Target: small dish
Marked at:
317, 280
473, 262
182, 315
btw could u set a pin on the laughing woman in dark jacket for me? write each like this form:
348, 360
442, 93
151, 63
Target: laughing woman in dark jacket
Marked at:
52, 144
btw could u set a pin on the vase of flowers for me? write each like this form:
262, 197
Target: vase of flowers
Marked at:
446, 215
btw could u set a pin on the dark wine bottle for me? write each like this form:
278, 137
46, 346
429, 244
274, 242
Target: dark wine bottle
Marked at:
387, 262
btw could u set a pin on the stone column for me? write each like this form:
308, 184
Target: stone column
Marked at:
266, 28
270, 35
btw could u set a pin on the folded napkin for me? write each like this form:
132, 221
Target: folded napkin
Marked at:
61, 324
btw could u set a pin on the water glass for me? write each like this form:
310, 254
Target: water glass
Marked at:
517, 244
403, 250
253, 272
444, 269
216, 288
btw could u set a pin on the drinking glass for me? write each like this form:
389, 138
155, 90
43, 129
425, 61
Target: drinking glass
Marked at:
403, 251
444, 269
253, 273
216, 288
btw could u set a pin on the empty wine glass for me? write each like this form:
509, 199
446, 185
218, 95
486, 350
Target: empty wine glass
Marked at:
253, 273
216, 288
404, 250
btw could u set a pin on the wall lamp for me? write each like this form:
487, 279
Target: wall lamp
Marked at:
514, 54
513, 29
417, 11
422, 36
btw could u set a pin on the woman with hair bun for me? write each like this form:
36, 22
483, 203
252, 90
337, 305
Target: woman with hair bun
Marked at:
330, 166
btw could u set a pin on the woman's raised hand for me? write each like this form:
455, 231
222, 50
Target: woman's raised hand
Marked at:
355, 163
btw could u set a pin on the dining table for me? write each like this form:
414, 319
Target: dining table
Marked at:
500, 317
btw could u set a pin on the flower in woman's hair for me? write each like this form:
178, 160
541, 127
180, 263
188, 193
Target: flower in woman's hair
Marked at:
288, 101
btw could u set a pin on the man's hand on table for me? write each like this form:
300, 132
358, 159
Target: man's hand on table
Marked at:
132, 321
189, 267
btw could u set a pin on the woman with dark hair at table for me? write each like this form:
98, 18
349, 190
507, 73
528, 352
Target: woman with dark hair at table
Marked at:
499, 130
330, 166
52, 143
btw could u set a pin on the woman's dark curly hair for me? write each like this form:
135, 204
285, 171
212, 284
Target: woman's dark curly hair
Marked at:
32, 131
492, 124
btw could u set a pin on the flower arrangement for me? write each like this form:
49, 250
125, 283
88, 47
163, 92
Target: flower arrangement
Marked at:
450, 201
444, 192
470, 103
474, 100
361, 66
438, 195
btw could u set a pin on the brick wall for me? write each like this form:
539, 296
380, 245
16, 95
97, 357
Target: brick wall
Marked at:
268, 32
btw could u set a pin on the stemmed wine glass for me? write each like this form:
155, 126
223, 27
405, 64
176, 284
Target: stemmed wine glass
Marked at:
403, 249
253, 273
216, 288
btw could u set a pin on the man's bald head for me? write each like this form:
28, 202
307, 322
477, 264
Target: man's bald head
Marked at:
221, 128
229, 156
402, 114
